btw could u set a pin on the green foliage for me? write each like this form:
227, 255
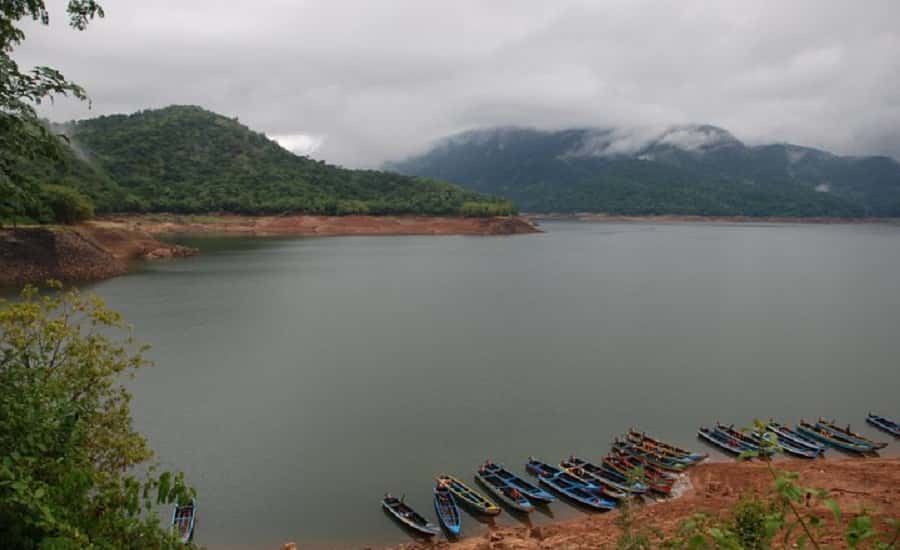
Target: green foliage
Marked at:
68, 448
633, 536
188, 160
66, 204
754, 523
552, 172
23, 138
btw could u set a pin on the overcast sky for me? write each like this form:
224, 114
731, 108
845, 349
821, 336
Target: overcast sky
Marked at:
360, 82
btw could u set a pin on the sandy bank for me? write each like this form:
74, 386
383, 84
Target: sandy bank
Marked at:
715, 488
319, 225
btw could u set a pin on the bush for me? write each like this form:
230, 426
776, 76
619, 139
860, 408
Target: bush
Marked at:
66, 204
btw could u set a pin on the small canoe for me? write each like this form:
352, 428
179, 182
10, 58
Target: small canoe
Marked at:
641, 439
848, 435
542, 469
602, 476
722, 441
797, 439
654, 459
446, 509
184, 517
785, 445
468, 497
884, 424
606, 488
820, 434
620, 469
533, 492
408, 517
745, 439
563, 483
510, 496
651, 472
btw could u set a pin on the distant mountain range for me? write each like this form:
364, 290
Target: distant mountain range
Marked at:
690, 169
186, 159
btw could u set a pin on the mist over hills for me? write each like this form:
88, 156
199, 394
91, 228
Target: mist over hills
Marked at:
688, 169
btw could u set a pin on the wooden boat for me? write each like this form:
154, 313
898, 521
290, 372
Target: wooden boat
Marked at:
846, 434
184, 517
641, 439
607, 488
745, 439
621, 466
604, 477
542, 469
721, 440
650, 457
785, 445
884, 424
446, 509
510, 496
820, 434
408, 517
566, 485
797, 439
468, 497
533, 492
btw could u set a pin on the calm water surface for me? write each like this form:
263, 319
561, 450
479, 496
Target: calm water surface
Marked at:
297, 380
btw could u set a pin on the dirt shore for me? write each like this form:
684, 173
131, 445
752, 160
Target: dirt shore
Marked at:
263, 226
104, 248
873, 483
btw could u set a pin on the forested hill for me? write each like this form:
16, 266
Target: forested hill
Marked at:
699, 170
189, 160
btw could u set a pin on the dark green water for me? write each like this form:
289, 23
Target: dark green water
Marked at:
299, 379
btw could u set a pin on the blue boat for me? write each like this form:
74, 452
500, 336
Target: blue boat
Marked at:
510, 496
721, 440
533, 492
603, 476
745, 439
820, 434
884, 424
542, 469
785, 445
578, 469
447, 510
847, 435
184, 518
796, 439
657, 460
408, 517
566, 485
645, 441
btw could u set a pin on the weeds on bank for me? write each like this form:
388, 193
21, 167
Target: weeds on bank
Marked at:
787, 519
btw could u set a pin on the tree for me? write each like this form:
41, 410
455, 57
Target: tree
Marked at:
68, 451
22, 135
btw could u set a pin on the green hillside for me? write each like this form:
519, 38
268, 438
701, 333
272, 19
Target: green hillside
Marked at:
188, 160
700, 170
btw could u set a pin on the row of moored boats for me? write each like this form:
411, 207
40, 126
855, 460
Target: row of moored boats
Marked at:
805, 440
636, 465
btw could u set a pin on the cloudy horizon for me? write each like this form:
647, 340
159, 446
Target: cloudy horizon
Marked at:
355, 83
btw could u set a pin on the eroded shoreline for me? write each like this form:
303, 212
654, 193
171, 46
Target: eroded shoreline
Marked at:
715, 487
106, 247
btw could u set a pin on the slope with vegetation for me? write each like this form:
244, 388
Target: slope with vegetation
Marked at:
185, 159
687, 170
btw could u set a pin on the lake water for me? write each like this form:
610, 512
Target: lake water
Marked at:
297, 380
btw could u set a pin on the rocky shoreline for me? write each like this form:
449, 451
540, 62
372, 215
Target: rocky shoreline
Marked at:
105, 247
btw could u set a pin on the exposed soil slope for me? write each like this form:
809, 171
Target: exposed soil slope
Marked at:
31, 255
321, 225
716, 487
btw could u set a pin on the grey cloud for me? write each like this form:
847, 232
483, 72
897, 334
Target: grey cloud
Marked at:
360, 82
